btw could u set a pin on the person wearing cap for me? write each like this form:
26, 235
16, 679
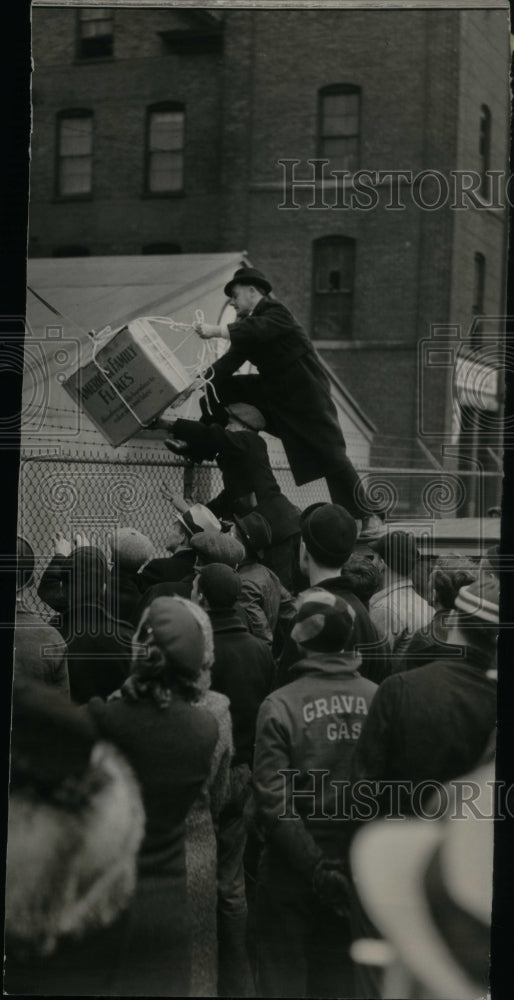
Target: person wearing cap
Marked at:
76, 822
433, 723
40, 653
450, 573
329, 533
292, 389
130, 551
242, 670
267, 604
397, 610
99, 645
248, 479
190, 520
169, 741
309, 727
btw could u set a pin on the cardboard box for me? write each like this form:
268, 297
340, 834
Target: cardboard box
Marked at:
134, 370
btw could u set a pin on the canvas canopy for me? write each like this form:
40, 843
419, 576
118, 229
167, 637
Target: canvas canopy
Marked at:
68, 297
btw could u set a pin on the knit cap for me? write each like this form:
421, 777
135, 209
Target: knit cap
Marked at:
130, 549
329, 533
481, 599
324, 623
220, 585
218, 547
171, 626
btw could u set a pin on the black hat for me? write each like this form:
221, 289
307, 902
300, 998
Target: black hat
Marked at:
256, 532
248, 276
329, 533
220, 585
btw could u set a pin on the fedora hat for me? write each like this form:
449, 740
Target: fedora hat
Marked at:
248, 276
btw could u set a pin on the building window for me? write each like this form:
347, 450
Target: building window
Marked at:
75, 153
95, 32
161, 248
165, 149
484, 149
71, 251
339, 126
478, 297
333, 277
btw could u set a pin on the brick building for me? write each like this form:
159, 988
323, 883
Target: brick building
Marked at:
163, 131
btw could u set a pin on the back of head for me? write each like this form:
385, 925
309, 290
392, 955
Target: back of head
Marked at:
168, 651
324, 623
329, 533
477, 607
87, 576
399, 552
131, 549
25, 563
220, 585
361, 576
256, 533
450, 573
217, 547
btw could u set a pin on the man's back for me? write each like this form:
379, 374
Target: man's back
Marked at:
428, 724
243, 671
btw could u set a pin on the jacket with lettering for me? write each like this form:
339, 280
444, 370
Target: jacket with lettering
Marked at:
313, 723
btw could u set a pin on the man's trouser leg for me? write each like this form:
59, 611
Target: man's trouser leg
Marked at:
283, 921
345, 488
234, 974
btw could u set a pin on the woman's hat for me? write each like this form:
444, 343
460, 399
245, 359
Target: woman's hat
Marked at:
248, 276
171, 627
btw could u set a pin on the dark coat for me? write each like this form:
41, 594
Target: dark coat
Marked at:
243, 670
170, 750
376, 664
125, 594
292, 389
39, 652
248, 479
429, 724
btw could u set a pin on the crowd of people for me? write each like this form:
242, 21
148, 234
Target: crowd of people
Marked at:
212, 750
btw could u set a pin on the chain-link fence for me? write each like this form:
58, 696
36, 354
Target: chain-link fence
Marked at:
94, 496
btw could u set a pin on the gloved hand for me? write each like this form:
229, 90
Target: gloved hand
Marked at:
331, 883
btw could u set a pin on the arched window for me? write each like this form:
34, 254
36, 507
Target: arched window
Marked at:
333, 269
74, 153
484, 149
164, 171
339, 126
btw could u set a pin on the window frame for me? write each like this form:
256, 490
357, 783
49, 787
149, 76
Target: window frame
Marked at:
331, 90
82, 57
337, 240
150, 110
70, 113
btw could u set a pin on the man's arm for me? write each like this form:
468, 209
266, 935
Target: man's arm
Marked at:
272, 754
261, 328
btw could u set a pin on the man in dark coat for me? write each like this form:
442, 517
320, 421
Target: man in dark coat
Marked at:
292, 389
433, 724
248, 479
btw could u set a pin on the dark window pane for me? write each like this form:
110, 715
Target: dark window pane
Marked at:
96, 27
333, 277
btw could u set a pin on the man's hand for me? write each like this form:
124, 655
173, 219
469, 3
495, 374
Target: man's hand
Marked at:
80, 541
332, 885
207, 330
62, 547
